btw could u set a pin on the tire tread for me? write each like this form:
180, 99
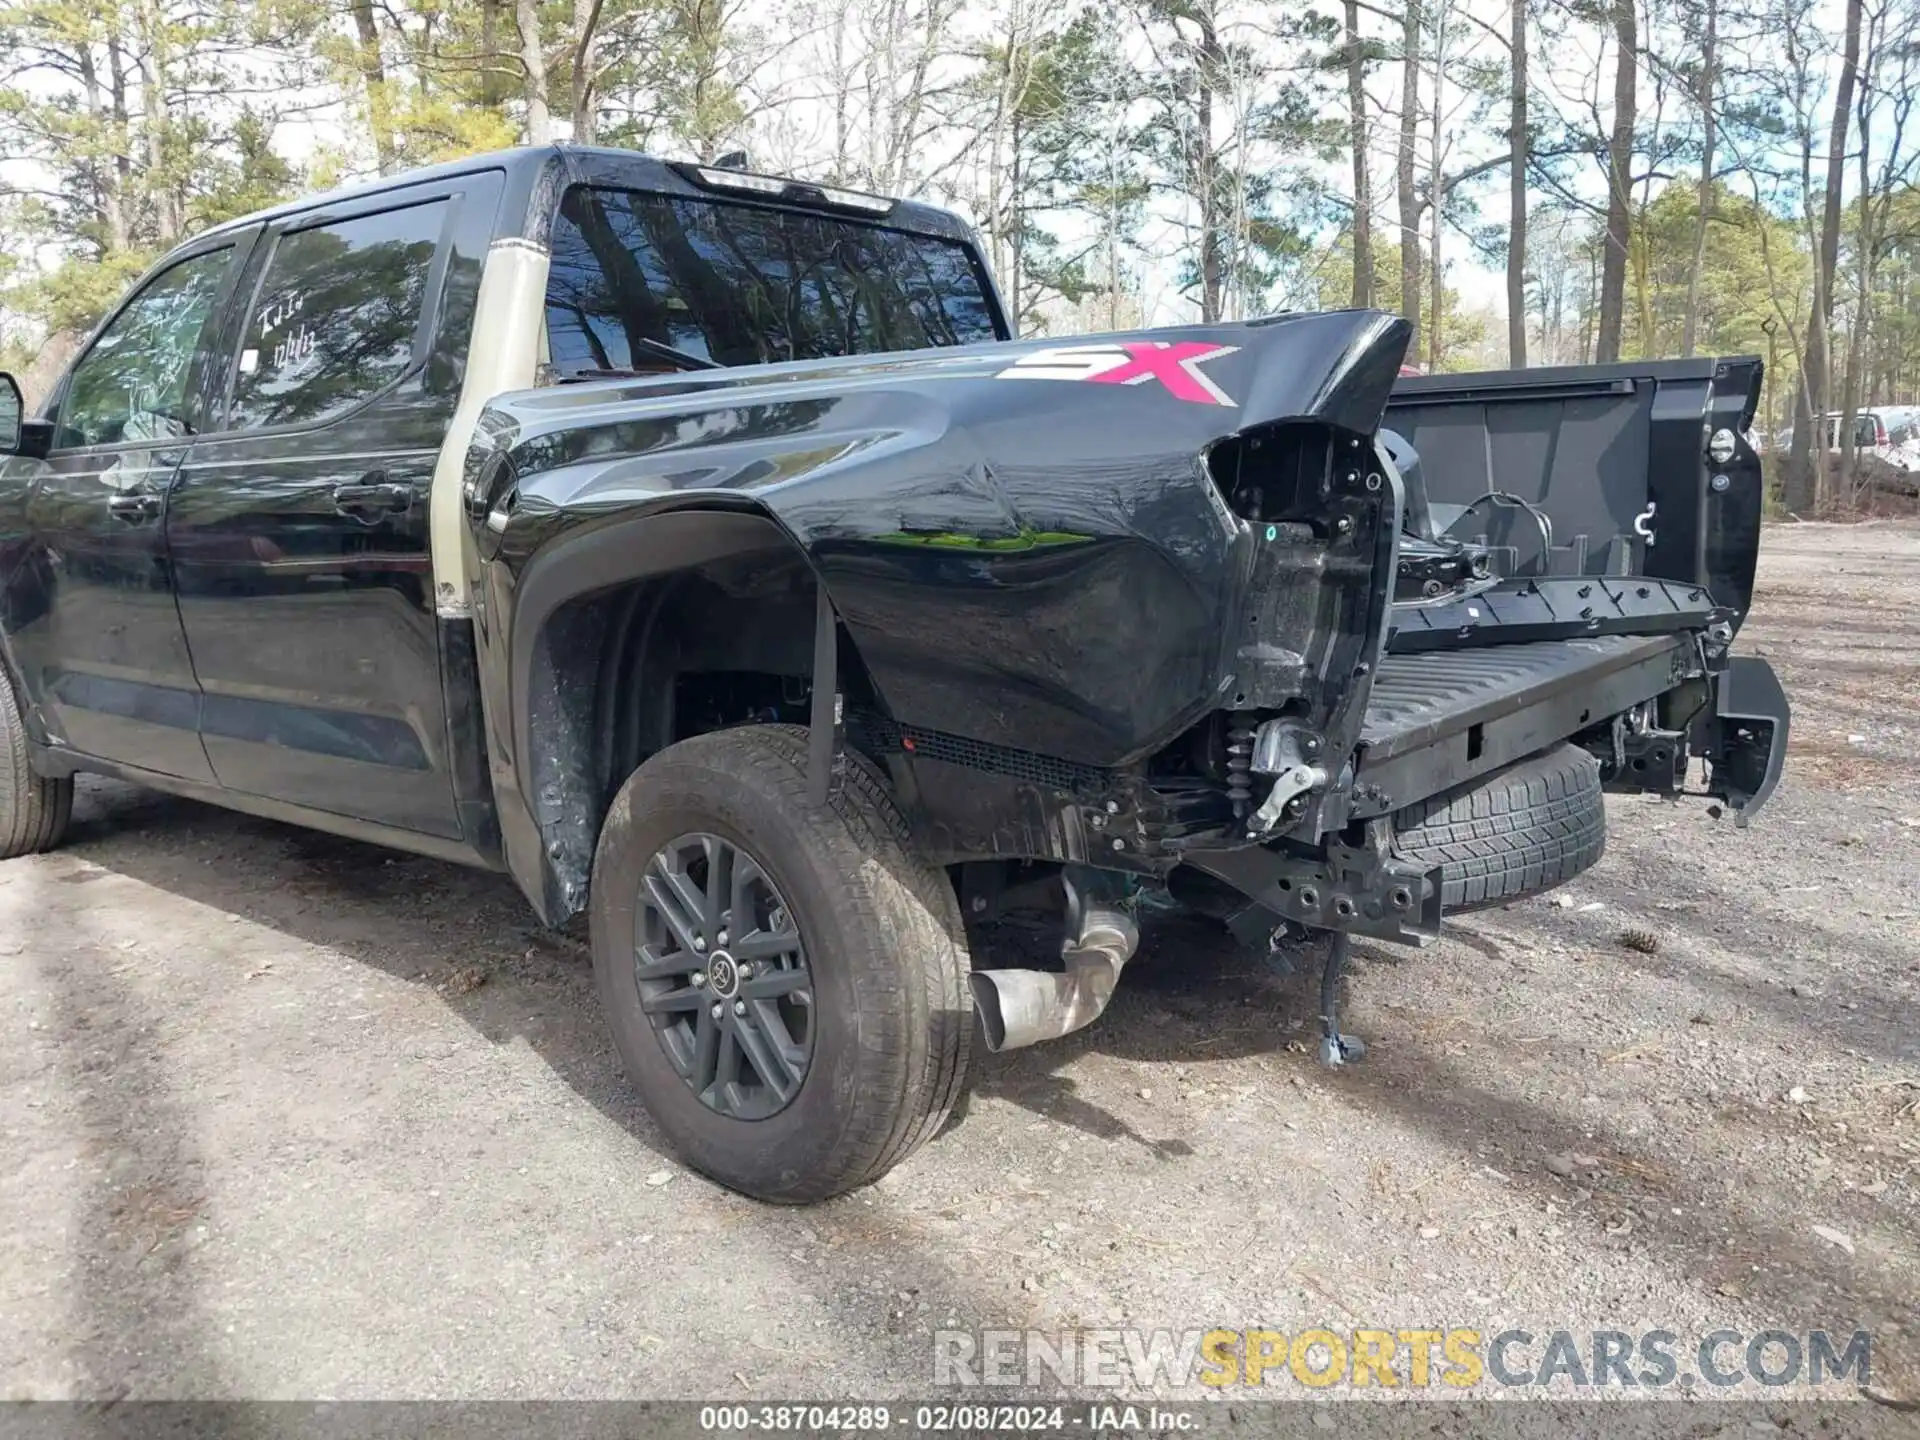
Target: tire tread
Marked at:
1516, 832
34, 810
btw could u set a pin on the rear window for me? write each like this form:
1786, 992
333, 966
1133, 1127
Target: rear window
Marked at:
334, 320
743, 284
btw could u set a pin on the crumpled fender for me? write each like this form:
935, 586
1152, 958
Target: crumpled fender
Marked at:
1022, 539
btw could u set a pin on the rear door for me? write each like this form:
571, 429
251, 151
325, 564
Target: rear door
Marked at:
91, 610
300, 529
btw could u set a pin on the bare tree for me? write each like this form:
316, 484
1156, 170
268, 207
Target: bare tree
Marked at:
1707, 100
1410, 268
1517, 186
1613, 267
1362, 184
1440, 23
586, 24
373, 75
1806, 464
533, 60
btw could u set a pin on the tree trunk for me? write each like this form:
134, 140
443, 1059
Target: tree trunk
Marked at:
1641, 258
112, 207
1552, 321
1613, 269
1853, 391
1436, 194
1805, 450
373, 74
1207, 176
1690, 334
533, 59
1112, 215
1587, 318
489, 53
167, 207
122, 142
1014, 205
1517, 192
1805, 485
1362, 184
586, 24
1409, 201
997, 226
842, 98
1436, 283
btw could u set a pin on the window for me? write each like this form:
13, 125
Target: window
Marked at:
740, 284
334, 319
132, 385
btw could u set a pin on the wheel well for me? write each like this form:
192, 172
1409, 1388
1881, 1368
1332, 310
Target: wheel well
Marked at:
621, 673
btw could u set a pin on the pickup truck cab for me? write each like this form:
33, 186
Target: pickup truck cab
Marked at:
700, 548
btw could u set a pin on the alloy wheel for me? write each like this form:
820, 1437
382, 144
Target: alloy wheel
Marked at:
723, 977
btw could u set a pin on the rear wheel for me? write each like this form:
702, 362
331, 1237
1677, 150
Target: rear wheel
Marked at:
34, 810
786, 982
1519, 831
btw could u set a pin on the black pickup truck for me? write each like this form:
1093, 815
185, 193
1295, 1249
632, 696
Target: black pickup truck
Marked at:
700, 548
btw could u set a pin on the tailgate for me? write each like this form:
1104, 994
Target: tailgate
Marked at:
1640, 468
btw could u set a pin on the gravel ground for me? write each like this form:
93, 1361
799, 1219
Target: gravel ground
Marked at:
288, 1116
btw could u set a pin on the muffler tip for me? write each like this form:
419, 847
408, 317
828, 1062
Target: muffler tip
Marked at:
1019, 1008
986, 1003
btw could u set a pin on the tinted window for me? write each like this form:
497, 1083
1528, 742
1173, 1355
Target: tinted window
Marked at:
741, 285
334, 318
132, 385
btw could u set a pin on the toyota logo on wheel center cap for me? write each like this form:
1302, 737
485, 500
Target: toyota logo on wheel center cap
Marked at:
722, 974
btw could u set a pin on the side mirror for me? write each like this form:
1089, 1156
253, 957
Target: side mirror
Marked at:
19, 435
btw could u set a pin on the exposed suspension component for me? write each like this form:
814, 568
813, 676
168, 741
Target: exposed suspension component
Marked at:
1240, 762
1285, 750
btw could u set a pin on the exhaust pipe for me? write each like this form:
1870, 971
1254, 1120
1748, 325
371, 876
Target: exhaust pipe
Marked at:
1023, 1007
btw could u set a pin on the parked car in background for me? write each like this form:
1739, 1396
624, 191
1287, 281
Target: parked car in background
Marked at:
1887, 433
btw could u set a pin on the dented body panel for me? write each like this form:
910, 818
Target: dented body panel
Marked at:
1033, 563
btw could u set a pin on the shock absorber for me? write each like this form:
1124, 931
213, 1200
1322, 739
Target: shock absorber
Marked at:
1240, 762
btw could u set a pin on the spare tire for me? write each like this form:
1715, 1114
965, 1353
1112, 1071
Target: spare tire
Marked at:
1519, 831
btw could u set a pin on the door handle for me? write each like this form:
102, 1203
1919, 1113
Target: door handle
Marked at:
372, 497
134, 508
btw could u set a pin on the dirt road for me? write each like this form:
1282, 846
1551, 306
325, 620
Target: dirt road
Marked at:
291, 1116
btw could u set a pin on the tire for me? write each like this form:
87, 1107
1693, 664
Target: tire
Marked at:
889, 1016
34, 810
1517, 832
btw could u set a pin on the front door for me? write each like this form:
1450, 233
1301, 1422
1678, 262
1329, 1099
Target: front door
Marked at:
300, 532
91, 609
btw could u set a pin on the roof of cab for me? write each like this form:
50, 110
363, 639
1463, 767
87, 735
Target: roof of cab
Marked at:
589, 164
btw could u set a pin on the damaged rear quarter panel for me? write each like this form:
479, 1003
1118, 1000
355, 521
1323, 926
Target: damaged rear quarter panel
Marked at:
1021, 558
